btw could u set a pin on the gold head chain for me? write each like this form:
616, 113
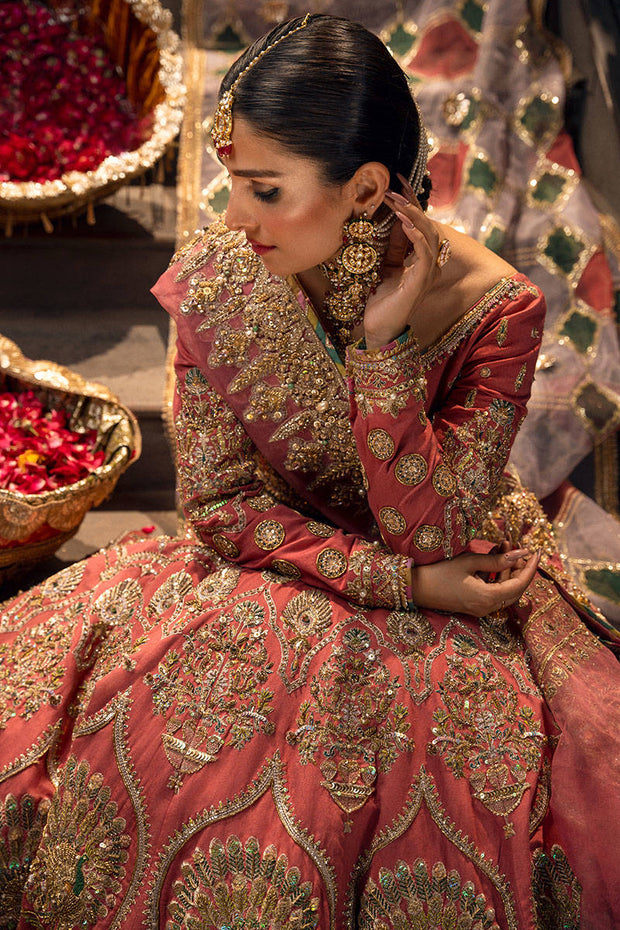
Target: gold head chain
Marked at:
221, 133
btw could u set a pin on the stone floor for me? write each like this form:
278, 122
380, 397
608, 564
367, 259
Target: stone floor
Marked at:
80, 296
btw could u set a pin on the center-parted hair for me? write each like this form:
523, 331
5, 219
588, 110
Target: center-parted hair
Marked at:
331, 92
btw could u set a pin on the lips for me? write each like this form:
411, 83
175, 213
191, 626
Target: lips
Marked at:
259, 248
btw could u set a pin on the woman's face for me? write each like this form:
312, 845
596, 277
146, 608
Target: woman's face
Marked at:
290, 215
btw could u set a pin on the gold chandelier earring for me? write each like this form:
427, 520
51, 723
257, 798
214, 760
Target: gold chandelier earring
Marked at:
355, 272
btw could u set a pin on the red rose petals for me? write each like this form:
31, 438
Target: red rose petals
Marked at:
38, 452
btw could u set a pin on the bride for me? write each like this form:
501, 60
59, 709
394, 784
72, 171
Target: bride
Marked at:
360, 691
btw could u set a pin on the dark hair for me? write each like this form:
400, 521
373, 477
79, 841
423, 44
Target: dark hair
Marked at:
331, 92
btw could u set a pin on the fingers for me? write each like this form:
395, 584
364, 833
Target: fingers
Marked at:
506, 593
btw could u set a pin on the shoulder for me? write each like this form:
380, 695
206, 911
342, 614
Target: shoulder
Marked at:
215, 253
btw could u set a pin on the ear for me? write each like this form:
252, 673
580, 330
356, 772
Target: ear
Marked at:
368, 186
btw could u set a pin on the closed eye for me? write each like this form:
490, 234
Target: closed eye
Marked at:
267, 195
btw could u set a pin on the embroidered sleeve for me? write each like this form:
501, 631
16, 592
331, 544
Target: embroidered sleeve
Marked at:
432, 473
236, 510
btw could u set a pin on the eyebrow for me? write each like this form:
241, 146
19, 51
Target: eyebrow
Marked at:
249, 173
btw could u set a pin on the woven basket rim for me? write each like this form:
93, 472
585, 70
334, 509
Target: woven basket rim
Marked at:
21, 201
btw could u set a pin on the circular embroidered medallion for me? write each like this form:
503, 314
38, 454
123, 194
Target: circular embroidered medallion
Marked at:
380, 444
225, 547
428, 538
411, 469
444, 481
320, 529
393, 520
260, 503
331, 563
269, 534
286, 568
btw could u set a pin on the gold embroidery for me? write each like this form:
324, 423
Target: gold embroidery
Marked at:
269, 534
331, 563
541, 798
234, 886
224, 546
444, 481
393, 520
320, 529
380, 444
411, 469
226, 706
485, 372
45, 744
482, 733
427, 538
353, 723
31, 668
556, 891
21, 826
414, 898
216, 587
75, 876
386, 379
470, 399
520, 377
504, 290
502, 332
423, 790
412, 631
286, 568
271, 777
260, 502
267, 338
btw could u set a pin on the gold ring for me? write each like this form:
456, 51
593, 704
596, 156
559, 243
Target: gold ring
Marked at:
444, 253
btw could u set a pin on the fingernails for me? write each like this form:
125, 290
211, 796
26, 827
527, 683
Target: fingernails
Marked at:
398, 198
404, 219
516, 554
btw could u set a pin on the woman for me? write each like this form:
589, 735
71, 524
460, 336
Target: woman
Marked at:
317, 709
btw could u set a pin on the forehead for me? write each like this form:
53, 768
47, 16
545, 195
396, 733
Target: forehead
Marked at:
256, 155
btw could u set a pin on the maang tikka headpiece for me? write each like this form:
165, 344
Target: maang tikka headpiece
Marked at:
221, 133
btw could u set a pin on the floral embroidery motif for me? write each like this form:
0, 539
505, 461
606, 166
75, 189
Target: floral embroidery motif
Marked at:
502, 332
353, 722
393, 520
520, 377
556, 891
213, 690
76, 875
413, 632
387, 379
427, 538
476, 453
31, 669
410, 897
331, 563
483, 734
307, 615
269, 534
267, 338
380, 444
216, 587
233, 886
21, 825
411, 469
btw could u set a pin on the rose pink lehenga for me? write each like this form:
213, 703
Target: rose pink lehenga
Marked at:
243, 727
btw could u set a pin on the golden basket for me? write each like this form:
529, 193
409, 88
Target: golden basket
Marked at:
34, 526
140, 39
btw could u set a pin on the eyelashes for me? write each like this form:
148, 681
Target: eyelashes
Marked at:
268, 195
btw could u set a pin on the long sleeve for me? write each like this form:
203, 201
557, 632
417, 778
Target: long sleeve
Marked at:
432, 470
231, 508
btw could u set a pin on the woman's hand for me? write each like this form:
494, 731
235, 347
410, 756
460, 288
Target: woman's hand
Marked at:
409, 271
474, 584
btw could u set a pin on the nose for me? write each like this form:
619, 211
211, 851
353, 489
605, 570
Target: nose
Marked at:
238, 216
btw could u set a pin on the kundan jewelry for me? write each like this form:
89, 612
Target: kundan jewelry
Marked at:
221, 132
354, 273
